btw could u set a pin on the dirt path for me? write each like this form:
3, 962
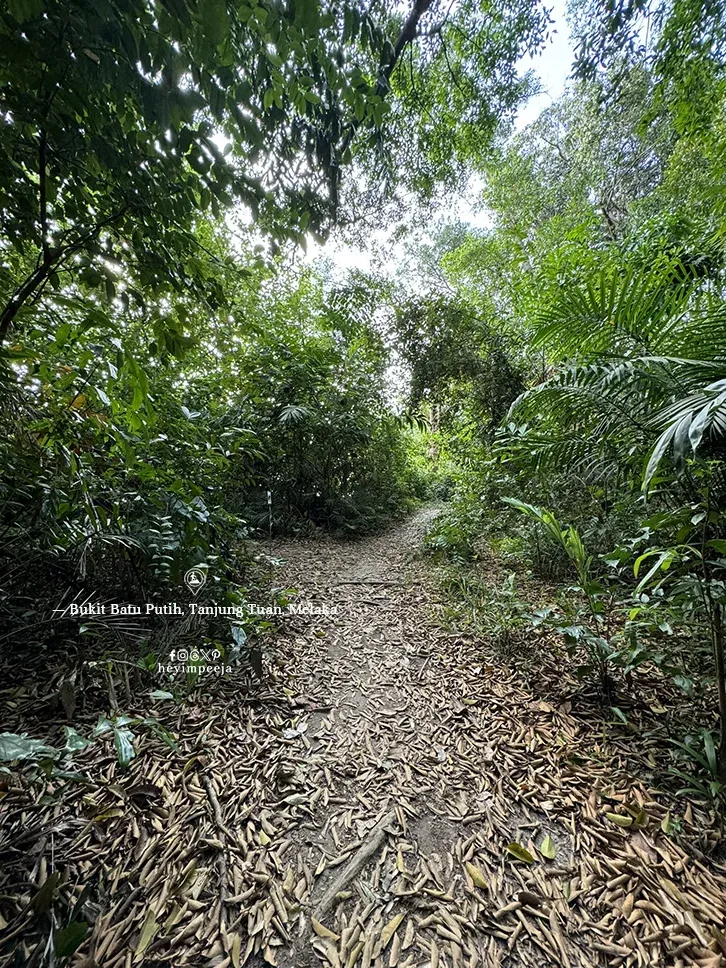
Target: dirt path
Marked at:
469, 760
358, 809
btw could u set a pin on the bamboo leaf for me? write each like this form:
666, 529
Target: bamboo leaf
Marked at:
148, 930
476, 875
547, 848
521, 853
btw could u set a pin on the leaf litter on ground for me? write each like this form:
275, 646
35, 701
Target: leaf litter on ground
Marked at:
222, 850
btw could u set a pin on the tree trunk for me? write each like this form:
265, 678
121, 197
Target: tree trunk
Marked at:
20, 297
718, 648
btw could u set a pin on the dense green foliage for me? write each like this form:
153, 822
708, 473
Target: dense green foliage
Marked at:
121, 469
123, 123
604, 271
172, 385
180, 388
175, 386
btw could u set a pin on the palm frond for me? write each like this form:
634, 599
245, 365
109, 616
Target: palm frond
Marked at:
586, 412
650, 370
688, 421
617, 313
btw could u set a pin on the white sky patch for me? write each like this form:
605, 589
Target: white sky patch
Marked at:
553, 66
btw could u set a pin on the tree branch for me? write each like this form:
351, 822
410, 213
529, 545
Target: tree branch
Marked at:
408, 33
558, 148
389, 58
45, 245
52, 260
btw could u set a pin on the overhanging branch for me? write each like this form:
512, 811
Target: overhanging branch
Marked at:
390, 57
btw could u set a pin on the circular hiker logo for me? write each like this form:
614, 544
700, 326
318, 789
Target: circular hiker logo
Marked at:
195, 579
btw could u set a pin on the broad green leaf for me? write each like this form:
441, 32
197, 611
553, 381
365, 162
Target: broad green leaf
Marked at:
22, 747
24, 10
620, 819
42, 900
710, 748
74, 740
476, 875
148, 930
123, 741
215, 21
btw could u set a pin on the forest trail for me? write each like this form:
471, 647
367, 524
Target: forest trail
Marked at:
422, 762
392, 754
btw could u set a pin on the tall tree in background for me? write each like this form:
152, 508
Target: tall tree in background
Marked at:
683, 44
113, 121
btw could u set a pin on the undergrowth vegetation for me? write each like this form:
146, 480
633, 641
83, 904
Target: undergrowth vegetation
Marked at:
177, 388
601, 282
183, 386
122, 470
